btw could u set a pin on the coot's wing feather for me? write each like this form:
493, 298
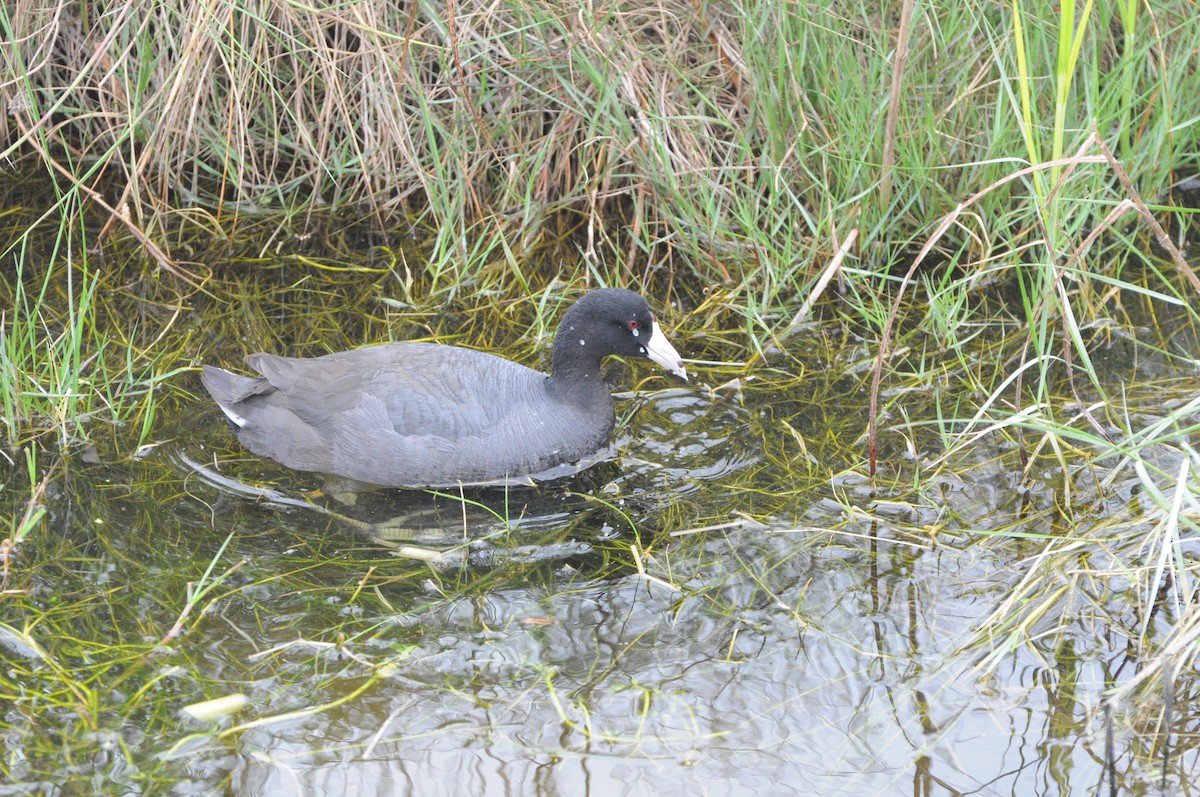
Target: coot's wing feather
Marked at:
523, 439
453, 391
426, 389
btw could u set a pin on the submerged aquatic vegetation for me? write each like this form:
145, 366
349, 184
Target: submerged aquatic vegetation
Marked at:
737, 528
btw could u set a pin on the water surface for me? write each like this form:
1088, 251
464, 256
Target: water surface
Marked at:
727, 605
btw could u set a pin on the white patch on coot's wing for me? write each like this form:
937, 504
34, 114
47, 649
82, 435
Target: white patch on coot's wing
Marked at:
660, 350
234, 418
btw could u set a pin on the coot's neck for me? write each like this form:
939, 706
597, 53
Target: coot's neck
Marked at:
575, 361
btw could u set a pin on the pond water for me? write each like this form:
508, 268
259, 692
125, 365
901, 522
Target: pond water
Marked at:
725, 606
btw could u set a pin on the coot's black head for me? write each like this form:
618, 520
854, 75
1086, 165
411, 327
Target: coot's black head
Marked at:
609, 321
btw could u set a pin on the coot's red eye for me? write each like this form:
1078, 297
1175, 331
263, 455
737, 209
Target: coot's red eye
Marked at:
633, 324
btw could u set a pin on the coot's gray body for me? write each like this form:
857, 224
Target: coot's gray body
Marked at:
432, 415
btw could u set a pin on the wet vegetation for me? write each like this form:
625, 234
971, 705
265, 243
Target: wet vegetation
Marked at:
925, 521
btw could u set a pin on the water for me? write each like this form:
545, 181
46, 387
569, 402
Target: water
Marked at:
725, 606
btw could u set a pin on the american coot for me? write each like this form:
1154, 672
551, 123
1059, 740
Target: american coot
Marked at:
432, 415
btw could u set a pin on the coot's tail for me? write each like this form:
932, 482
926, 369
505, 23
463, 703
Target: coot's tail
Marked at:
230, 389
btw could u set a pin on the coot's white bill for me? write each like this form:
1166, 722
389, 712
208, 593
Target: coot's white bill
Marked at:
660, 350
